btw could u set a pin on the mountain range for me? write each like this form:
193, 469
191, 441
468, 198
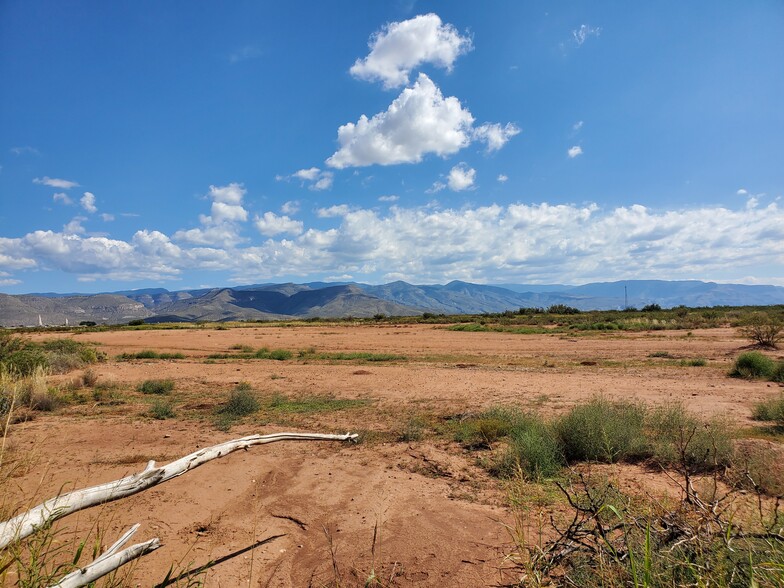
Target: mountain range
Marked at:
332, 300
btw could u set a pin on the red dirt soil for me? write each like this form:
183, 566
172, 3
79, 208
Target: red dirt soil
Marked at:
440, 520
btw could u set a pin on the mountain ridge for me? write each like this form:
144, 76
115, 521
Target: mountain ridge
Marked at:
283, 301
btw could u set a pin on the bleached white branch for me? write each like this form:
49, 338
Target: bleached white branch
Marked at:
26, 523
109, 561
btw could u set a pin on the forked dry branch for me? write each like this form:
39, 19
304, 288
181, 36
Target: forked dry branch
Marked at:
56, 508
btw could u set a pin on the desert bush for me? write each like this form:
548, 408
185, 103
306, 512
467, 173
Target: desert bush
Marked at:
770, 410
162, 410
680, 440
413, 430
482, 430
156, 386
756, 466
604, 431
89, 378
653, 307
534, 450
753, 365
763, 330
276, 354
241, 402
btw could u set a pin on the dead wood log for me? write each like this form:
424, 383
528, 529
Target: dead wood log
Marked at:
27, 523
110, 560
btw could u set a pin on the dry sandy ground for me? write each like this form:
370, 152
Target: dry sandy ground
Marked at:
440, 520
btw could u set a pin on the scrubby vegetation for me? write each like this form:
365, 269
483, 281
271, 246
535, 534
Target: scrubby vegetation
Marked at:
754, 365
23, 357
156, 386
149, 354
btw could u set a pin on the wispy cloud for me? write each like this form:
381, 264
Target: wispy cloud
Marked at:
55, 183
245, 53
574, 151
25, 150
584, 33
63, 198
315, 178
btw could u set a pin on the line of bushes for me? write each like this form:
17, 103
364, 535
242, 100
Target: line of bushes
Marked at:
600, 430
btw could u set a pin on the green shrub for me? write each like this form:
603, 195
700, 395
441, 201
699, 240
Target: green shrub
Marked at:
770, 410
682, 441
753, 365
778, 373
25, 361
241, 402
534, 449
602, 430
136, 323
482, 430
162, 410
276, 354
156, 386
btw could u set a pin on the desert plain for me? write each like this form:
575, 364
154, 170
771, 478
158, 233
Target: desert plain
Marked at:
408, 508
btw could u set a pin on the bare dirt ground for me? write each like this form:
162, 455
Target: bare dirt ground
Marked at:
440, 519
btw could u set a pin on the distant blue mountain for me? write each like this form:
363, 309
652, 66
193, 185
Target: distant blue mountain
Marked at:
325, 299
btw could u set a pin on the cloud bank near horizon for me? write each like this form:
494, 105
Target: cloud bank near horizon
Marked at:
529, 243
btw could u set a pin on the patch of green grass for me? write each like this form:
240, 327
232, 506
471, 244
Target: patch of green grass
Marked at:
753, 365
149, 354
276, 354
469, 327
307, 404
357, 356
156, 386
694, 362
162, 410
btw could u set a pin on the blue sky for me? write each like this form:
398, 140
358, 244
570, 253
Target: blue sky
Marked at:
189, 144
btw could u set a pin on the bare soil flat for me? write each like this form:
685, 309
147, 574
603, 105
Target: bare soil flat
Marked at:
440, 519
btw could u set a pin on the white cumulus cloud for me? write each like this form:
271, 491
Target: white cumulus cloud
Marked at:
88, 202
495, 135
399, 47
574, 151
502, 178
221, 227
418, 122
461, 177
270, 224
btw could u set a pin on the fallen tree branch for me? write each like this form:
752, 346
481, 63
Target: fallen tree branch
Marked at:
109, 561
27, 523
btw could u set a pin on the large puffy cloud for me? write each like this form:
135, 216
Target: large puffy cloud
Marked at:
418, 122
401, 46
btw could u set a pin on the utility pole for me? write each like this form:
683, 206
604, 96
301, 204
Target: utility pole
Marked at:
625, 298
